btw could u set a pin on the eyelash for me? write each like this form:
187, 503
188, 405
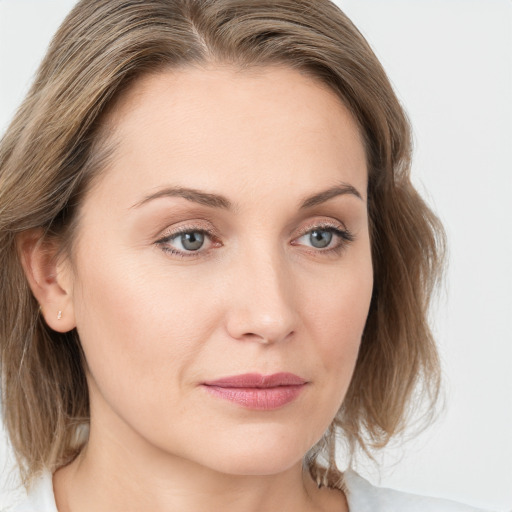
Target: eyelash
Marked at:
345, 236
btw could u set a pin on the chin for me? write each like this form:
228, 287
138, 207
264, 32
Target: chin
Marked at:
257, 455
257, 464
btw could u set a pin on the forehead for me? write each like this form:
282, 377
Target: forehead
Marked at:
227, 128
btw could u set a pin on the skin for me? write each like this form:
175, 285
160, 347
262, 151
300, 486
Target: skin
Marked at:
258, 296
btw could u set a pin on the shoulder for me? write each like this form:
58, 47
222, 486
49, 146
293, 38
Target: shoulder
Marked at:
364, 497
40, 498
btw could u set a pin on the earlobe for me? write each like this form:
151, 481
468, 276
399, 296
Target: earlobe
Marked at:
48, 278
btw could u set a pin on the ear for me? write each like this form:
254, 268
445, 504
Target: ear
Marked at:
49, 277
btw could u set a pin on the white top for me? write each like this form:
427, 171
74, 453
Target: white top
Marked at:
361, 496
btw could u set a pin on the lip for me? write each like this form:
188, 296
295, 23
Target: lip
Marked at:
258, 392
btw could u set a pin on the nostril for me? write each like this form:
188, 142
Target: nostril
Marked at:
270, 339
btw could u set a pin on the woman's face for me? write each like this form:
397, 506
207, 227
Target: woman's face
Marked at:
222, 272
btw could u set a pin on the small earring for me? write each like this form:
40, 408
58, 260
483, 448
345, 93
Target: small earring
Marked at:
59, 316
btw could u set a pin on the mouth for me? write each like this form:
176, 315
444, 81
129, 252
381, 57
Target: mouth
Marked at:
258, 392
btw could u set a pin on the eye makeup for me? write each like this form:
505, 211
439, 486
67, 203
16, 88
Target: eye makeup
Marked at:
341, 233
197, 241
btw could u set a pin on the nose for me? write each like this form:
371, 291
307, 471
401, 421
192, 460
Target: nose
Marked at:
263, 303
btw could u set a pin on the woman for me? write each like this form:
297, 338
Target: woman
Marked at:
213, 262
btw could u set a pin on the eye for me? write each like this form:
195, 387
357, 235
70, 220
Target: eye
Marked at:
326, 238
186, 242
320, 238
192, 241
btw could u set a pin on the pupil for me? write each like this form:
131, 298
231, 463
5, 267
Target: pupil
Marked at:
320, 239
192, 241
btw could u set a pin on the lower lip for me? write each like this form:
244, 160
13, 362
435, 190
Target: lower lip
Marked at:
260, 399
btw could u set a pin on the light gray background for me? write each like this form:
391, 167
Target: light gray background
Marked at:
451, 64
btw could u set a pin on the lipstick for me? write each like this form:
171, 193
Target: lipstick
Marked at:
258, 392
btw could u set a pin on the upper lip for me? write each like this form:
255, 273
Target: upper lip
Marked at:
256, 380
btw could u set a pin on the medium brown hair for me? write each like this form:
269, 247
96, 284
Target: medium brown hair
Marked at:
52, 150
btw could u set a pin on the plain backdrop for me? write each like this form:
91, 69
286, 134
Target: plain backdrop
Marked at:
451, 64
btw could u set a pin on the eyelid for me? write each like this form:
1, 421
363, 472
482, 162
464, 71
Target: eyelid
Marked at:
344, 235
338, 228
172, 233
197, 225
322, 224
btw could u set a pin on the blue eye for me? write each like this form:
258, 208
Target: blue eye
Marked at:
185, 242
192, 241
328, 238
320, 238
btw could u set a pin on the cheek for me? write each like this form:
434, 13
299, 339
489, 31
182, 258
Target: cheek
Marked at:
337, 317
139, 326
338, 313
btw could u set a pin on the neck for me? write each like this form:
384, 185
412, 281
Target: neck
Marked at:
86, 485
127, 473
103, 484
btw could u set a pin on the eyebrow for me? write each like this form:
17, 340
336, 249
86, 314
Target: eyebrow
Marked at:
339, 190
219, 201
196, 196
